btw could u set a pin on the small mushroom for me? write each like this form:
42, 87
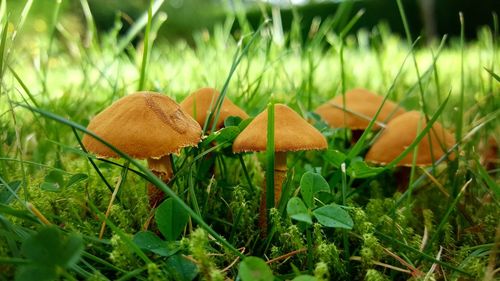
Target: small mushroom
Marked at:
144, 125
360, 107
201, 102
400, 133
291, 133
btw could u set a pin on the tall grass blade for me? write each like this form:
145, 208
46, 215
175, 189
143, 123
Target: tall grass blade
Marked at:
137, 26
270, 161
145, 51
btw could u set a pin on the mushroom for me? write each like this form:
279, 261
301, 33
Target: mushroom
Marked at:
144, 125
360, 107
291, 133
201, 102
400, 132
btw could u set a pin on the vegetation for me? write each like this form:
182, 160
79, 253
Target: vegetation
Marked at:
339, 218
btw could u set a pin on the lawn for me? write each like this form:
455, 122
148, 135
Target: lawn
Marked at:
67, 214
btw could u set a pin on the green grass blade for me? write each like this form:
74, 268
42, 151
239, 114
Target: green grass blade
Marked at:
421, 135
145, 51
270, 161
137, 26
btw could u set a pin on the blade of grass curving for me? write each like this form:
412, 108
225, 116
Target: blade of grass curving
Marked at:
192, 194
18, 147
6, 185
91, 29
3, 8
103, 262
460, 114
358, 146
52, 33
2, 49
214, 115
444, 220
422, 255
145, 51
23, 85
21, 22
14, 261
493, 74
245, 172
133, 274
421, 135
409, 41
490, 183
137, 26
130, 244
92, 161
494, 50
270, 161
345, 234
423, 103
150, 176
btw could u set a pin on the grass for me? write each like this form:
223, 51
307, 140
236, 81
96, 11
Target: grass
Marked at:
54, 79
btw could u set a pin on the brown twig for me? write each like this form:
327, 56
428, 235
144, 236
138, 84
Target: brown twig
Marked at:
358, 258
414, 271
108, 211
285, 256
38, 214
242, 250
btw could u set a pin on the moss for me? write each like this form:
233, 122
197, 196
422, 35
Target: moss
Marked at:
321, 272
374, 275
371, 249
154, 273
121, 255
198, 245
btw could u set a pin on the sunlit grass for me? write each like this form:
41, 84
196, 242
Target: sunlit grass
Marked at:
54, 79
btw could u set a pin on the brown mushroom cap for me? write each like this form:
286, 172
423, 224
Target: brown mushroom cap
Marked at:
291, 133
203, 100
362, 102
400, 133
143, 125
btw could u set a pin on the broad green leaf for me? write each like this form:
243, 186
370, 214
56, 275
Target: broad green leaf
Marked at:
147, 240
305, 278
228, 134
333, 216
181, 269
297, 210
311, 183
50, 248
360, 170
232, 121
6, 195
171, 219
76, 178
334, 157
36, 272
53, 181
255, 269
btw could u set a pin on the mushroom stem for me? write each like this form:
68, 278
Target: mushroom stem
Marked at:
279, 174
279, 178
161, 168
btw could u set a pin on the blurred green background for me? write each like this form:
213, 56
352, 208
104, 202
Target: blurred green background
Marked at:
429, 18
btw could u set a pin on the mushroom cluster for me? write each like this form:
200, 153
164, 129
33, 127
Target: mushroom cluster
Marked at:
148, 125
